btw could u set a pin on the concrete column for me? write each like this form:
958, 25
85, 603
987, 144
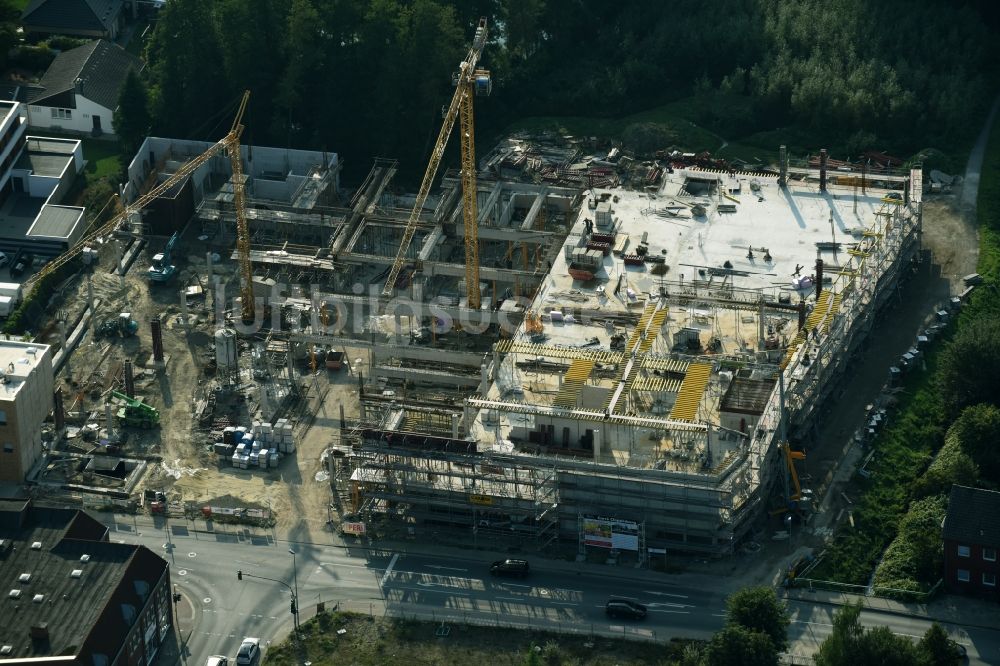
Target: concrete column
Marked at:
782, 166
208, 267
822, 170
455, 422
184, 308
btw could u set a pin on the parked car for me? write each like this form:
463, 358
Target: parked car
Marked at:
625, 608
518, 568
22, 264
217, 660
249, 654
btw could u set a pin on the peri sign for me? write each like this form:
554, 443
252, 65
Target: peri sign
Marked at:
610, 533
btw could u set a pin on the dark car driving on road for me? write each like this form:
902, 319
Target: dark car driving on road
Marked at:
625, 608
519, 568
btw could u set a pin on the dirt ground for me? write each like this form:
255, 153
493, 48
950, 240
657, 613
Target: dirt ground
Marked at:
297, 491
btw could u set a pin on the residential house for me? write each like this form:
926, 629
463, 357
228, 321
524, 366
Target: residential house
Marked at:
971, 541
77, 18
79, 91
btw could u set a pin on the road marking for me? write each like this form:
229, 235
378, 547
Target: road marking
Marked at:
182, 572
719, 614
435, 566
664, 594
513, 585
428, 589
388, 571
667, 603
192, 554
822, 624
663, 610
207, 600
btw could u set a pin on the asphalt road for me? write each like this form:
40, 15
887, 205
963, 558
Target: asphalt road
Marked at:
217, 610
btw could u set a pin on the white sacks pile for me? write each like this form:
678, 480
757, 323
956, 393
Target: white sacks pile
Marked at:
262, 445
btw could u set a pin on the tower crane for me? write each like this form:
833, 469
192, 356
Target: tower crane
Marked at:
468, 82
231, 145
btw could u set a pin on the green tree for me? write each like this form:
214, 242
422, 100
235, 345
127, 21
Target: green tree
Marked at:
970, 364
10, 18
132, 118
521, 21
738, 646
936, 648
977, 432
759, 609
850, 644
186, 68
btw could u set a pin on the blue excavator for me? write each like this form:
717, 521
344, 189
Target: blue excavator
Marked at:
162, 271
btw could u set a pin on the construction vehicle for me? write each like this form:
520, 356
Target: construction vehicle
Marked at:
231, 145
468, 82
162, 271
121, 326
793, 490
135, 413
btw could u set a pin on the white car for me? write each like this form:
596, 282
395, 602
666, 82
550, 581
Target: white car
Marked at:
249, 654
217, 660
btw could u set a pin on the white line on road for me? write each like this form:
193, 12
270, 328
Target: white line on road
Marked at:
719, 615
435, 566
664, 594
388, 571
663, 610
430, 589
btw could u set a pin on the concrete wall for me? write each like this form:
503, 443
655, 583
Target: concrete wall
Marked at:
13, 123
265, 166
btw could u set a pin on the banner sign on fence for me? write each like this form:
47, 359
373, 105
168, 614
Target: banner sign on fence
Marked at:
357, 529
610, 533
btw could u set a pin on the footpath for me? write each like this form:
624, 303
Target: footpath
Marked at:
962, 611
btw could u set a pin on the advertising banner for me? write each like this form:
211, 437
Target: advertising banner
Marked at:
357, 529
610, 533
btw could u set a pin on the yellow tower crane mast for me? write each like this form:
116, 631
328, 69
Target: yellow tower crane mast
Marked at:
469, 82
231, 144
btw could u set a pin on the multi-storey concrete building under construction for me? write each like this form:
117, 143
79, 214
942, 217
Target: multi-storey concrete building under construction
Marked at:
637, 406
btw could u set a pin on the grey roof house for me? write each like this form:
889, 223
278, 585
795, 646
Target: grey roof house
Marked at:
78, 18
79, 91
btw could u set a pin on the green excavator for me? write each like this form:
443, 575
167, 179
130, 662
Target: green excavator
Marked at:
135, 413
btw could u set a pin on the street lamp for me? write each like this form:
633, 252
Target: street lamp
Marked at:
788, 526
295, 601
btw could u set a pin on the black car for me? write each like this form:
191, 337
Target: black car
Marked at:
21, 264
518, 568
625, 608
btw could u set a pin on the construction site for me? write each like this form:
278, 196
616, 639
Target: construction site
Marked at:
553, 344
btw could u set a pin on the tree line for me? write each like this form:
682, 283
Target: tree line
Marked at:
369, 79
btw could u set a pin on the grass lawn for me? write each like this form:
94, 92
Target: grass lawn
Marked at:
393, 642
101, 155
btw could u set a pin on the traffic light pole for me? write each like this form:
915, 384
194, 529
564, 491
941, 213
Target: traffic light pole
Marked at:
294, 606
